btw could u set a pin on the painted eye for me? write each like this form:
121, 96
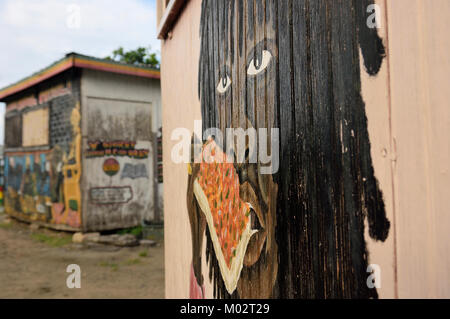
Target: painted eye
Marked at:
256, 66
224, 84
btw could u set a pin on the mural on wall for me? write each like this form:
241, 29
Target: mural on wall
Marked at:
44, 186
116, 148
134, 171
28, 186
297, 233
119, 130
118, 195
111, 167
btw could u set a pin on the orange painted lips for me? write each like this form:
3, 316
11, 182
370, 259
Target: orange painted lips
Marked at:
230, 214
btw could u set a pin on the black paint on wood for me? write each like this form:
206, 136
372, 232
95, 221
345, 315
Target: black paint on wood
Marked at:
311, 91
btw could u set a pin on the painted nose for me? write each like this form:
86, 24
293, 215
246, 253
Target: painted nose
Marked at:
241, 168
241, 172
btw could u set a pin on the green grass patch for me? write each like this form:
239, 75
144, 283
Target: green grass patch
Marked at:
113, 266
134, 261
143, 253
136, 231
6, 225
53, 241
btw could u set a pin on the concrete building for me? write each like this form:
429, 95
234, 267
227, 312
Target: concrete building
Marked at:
81, 145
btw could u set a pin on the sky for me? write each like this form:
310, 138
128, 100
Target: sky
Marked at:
36, 33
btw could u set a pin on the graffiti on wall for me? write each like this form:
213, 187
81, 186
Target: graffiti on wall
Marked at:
111, 167
44, 186
28, 185
116, 152
116, 195
298, 233
134, 171
110, 195
115, 148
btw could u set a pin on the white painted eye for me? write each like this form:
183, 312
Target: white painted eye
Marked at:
256, 67
224, 84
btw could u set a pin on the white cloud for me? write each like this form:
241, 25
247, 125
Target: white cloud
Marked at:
36, 33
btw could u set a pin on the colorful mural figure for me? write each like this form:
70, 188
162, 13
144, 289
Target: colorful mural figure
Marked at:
72, 176
28, 186
295, 66
44, 186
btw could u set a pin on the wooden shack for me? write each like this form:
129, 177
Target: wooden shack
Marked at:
80, 145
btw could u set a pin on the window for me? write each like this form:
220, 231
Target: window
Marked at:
35, 128
13, 131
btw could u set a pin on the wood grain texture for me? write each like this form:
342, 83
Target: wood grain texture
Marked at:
419, 78
314, 244
408, 121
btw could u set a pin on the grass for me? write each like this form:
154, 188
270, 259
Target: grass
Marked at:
134, 261
143, 253
136, 231
53, 241
6, 225
113, 266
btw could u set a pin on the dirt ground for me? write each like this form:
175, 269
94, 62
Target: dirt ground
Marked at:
33, 265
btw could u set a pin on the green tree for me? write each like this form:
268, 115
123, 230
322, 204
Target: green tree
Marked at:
141, 55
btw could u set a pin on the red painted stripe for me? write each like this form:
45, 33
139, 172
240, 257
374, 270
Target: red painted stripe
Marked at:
80, 63
37, 78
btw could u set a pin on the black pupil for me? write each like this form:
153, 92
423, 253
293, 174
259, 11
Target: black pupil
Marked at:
257, 65
257, 61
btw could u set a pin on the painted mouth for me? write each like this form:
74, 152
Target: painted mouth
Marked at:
257, 241
255, 224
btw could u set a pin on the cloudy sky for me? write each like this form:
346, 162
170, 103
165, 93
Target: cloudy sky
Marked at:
36, 33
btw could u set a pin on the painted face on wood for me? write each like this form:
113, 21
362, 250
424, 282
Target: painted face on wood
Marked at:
292, 66
241, 74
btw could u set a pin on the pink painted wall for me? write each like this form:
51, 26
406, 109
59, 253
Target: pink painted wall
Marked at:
409, 125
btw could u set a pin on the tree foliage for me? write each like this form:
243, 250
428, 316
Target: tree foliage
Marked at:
140, 56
